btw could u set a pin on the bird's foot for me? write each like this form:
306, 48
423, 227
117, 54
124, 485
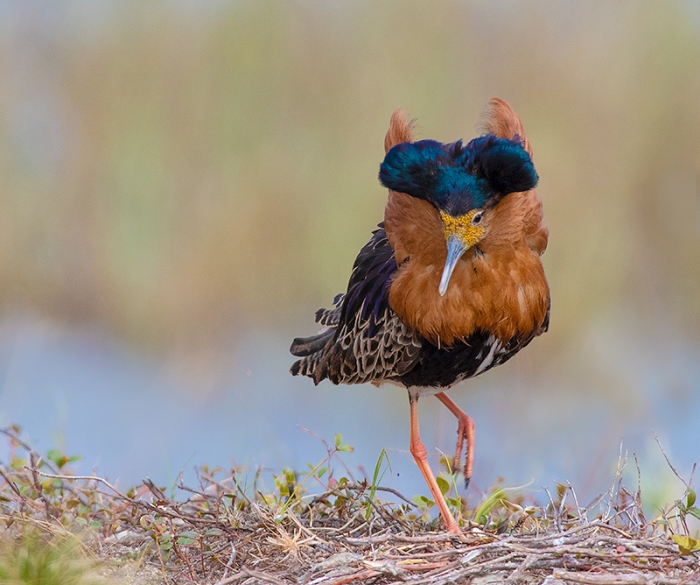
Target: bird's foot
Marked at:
465, 435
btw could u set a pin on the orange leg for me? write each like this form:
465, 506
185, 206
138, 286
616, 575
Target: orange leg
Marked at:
420, 454
465, 433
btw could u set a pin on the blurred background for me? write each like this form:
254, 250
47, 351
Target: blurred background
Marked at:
183, 183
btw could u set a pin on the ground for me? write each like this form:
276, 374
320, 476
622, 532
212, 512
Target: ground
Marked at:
81, 529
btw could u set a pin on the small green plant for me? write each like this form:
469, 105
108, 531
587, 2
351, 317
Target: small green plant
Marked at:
35, 560
60, 459
688, 507
376, 478
680, 511
291, 487
497, 497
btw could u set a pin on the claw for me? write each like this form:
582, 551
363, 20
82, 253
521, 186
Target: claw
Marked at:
465, 434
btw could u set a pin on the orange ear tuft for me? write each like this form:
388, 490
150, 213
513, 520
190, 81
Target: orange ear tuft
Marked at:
400, 129
502, 121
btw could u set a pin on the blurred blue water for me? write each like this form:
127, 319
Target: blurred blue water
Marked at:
125, 412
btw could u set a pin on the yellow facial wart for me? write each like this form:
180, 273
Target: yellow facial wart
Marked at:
462, 227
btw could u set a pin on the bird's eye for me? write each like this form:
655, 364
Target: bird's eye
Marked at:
476, 220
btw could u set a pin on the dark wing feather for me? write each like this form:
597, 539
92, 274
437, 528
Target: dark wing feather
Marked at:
330, 317
305, 346
367, 342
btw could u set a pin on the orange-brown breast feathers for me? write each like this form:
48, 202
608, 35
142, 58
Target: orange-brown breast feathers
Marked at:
501, 290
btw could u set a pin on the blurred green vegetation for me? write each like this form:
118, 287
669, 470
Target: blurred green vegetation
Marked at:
178, 171
36, 559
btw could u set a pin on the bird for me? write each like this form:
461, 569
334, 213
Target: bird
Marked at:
451, 283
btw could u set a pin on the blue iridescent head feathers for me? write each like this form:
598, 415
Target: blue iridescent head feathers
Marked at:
458, 178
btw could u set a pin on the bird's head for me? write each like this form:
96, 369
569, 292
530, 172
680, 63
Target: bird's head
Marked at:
464, 183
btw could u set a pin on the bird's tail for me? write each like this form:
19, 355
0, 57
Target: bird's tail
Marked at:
306, 366
305, 346
310, 349
312, 354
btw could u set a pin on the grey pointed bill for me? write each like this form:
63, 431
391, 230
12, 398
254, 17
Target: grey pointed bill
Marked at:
455, 248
